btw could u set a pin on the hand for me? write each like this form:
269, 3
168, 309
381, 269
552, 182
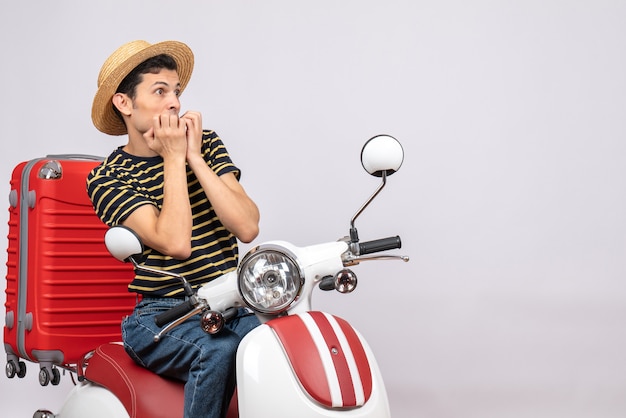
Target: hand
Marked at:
193, 122
167, 136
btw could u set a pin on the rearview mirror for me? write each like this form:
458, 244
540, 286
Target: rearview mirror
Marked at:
382, 154
123, 243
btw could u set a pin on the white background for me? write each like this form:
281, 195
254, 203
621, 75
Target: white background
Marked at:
511, 200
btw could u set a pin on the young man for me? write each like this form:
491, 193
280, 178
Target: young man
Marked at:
175, 185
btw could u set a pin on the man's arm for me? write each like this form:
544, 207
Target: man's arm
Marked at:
169, 230
236, 211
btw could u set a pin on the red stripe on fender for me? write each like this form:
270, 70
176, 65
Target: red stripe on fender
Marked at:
303, 355
346, 383
360, 357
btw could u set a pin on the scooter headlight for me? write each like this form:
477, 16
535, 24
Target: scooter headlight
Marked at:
270, 279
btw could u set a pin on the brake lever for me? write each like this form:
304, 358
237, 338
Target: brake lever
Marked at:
353, 260
198, 309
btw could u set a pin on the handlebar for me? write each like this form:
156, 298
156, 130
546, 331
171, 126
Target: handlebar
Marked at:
173, 313
377, 245
367, 247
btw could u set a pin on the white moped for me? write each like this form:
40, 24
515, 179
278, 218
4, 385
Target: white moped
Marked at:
298, 363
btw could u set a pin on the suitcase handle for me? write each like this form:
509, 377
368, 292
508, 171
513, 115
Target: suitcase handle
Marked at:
75, 157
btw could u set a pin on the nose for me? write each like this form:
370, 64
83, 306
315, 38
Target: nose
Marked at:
173, 103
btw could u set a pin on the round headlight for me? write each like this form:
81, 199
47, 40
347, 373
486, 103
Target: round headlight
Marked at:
270, 279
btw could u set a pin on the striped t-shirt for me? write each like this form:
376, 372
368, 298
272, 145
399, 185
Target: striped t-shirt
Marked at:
124, 182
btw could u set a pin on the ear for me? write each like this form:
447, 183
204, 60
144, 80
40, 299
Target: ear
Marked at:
123, 103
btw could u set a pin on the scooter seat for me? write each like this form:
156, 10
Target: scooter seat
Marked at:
142, 392
112, 368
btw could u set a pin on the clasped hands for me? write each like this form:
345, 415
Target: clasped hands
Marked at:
173, 135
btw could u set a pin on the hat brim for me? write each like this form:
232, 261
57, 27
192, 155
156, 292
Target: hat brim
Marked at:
102, 113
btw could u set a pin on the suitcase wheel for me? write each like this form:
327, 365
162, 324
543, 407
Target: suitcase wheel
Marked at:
13, 368
49, 375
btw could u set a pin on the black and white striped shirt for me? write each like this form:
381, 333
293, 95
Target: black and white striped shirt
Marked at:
124, 182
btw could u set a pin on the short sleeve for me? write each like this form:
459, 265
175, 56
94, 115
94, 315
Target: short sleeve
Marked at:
216, 155
113, 199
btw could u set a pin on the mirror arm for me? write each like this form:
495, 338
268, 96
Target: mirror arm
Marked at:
354, 235
186, 285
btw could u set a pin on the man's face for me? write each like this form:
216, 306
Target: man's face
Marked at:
155, 95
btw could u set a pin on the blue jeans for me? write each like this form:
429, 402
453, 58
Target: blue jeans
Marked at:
204, 362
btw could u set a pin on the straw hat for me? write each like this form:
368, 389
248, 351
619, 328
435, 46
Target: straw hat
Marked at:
120, 64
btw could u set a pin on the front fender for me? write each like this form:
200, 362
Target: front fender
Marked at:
309, 365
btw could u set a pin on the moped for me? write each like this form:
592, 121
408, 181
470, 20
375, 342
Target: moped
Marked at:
298, 363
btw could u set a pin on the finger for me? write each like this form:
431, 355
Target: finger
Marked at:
149, 134
166, 121
174, 121
191, 115
190, 123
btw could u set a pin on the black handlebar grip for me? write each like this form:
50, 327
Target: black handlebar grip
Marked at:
378, 245
173, 313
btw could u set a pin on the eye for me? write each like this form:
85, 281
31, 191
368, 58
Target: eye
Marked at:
177, 92
158, 91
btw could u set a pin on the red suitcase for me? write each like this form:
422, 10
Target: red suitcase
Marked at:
65, 294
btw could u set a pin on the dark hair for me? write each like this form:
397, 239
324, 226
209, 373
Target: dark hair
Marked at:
152, 65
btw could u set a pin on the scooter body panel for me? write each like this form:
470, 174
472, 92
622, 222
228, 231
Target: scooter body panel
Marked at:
269, 385
93, 401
